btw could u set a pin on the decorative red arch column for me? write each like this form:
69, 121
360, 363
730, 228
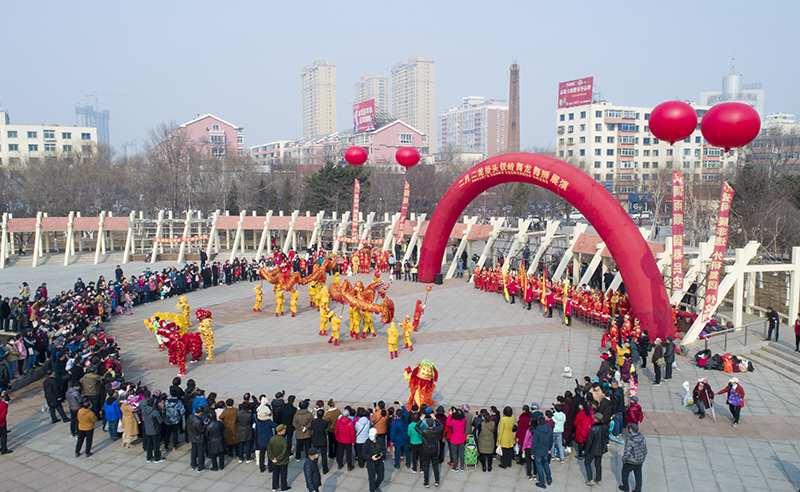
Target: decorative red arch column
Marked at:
643, 281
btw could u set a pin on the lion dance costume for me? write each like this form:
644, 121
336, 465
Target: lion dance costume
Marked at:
207, 334
421, 383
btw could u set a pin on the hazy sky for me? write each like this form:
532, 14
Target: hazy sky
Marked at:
155, 62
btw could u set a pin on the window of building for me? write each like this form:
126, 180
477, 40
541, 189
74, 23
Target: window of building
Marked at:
655, 153
598, 127
655, 141
13, 147
597, 177
628, 115
86, 149
571, 116
66, 148
598, 139
66, 135
610, 164
610, 127
560, 141
687, 164
646, 153
560, 130
646, 141
570, 129
217, 139
687, 151
711, 164
583, 139
645, 164
583, 128
613, 113
597, 164
583, 114
647, 116
33, 148
570, 141
583, 152
712, 152
215, 128
698, 140
241, 151
49, 147
697, 164
655, 165
598, 114
598, 152
610, 140
86, 136
627, 152
626, 177
31, 134
561, 153
240, 139
711, 177
561, 117
669, 152
12, 134
626, 164
645, 177
609, 177
628, 140
49, 133
425, 139
609, 151
628, 127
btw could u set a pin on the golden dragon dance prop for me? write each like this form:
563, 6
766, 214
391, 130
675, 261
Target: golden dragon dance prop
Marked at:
286, 280
363, 298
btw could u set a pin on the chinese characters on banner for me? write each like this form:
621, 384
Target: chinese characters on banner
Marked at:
677, 231
717, 257
356, 189
549, 180
401, 231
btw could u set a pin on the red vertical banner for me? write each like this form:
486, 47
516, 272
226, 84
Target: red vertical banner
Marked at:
356, 189
401, 226
717, 257
677, 230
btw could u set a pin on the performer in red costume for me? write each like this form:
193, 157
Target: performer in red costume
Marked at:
418, 311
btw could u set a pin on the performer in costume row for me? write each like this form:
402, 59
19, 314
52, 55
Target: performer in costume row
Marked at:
259, 298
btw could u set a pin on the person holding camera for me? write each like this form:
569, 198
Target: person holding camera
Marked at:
374, 451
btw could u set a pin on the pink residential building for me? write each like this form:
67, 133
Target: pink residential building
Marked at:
382, 143
207, 136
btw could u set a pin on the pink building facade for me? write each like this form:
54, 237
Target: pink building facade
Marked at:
214, 137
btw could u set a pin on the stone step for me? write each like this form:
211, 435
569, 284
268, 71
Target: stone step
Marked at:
783, 355
762, 360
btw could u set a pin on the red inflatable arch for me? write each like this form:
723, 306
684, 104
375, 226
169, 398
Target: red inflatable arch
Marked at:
643, 281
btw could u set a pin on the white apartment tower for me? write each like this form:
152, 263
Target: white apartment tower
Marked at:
477, 126
373, 87
21, 143
318, 91
412, 93
613, 144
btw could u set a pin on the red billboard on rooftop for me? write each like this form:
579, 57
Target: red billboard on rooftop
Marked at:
364, 116
575, 92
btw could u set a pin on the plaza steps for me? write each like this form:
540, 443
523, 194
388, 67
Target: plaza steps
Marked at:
777, 358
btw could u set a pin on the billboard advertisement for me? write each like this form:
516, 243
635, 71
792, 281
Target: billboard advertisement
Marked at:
364, 116
575, 92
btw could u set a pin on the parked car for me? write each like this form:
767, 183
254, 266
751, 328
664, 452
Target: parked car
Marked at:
576, 215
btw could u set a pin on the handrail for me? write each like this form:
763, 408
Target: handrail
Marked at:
735, 328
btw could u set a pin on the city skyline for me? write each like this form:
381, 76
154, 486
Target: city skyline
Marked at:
666, 54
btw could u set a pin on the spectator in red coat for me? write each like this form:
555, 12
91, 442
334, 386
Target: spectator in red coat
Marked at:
3, 425
634, 415
345, 433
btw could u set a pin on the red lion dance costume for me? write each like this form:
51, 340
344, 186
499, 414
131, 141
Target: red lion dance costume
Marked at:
421, 383
179, 346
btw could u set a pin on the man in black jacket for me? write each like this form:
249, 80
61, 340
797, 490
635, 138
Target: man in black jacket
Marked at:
429, 431
617, 406
596, 446
195, 434
52, 393
311, 471
287, 417
5, 314
774, 323
374, 452
319, 438
669, 358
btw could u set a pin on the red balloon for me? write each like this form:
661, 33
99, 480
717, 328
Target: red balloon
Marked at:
673, 121
730, 125
407, 157
356, 155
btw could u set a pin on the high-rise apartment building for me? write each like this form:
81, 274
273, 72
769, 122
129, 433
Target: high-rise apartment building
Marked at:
373, 87
613, 144
412, 93
318, 92
88, 116
477, 126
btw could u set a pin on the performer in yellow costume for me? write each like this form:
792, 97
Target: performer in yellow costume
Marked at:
293, 301
259, 298
392, 340
313, 293
355, 323
324, 297
368, 326
335, 279
407, 329
323, 322
335, 323
208, 337
183, 304
280, 297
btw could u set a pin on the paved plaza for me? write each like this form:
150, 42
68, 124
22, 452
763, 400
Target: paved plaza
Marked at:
487, 353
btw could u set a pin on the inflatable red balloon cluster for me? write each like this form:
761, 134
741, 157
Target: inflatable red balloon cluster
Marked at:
726, 125
405, 156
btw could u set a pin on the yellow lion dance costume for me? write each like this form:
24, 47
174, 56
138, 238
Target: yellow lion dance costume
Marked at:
421, 383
